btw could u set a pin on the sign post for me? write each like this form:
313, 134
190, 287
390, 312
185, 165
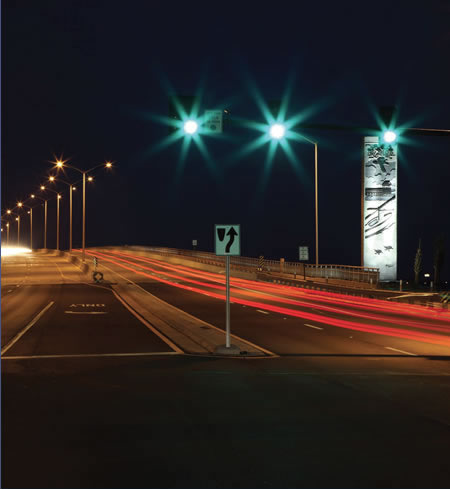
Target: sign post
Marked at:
227, 239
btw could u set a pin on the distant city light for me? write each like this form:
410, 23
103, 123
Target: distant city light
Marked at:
277, 131
389, 136
190, 127
426, 275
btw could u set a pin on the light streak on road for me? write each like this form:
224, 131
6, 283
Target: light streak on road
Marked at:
342, 323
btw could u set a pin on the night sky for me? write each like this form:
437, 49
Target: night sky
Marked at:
87, 80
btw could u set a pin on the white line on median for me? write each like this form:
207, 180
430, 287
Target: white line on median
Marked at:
91, 355
32, 323
264, 312
311, 326
401, 351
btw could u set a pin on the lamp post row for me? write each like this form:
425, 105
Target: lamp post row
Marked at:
59, 164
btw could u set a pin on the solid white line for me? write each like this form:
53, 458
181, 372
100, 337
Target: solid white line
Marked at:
401, 351
264, 312
32, 323
92, 355
311, 326
85, 312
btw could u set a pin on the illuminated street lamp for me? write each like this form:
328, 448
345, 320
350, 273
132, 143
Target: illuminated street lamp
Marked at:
61, 164
33, 196
71, 187
21, 204
277, 131
389, 136
58, 198
190, 126
9, 212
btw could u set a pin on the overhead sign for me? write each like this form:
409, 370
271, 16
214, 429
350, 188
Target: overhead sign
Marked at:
380, 207
303, 252
227, 239
213, 120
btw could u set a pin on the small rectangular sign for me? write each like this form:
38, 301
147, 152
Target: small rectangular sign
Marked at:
194, 242
227, 239
213, 120
303, 252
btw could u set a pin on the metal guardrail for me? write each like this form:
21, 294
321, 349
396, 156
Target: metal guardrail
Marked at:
337, 272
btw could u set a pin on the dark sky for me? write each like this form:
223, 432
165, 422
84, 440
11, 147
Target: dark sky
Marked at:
83, 78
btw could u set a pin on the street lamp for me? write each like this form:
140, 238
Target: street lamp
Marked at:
31, 221
190, 126
277, 131
58, 198
61, 164
389, 136
9, 212
71, 187
33, 196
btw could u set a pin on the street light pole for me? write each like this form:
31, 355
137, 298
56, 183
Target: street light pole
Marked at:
316, 203
84, 218
57, 221
18, 229
7, 234
70, 232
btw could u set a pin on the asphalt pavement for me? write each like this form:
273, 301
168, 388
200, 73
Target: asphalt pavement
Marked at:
93, 396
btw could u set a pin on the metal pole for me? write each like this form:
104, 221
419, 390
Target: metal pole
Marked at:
84, 216
31, 229
70, 233
45, 225
227, 343
18, 230
317, 201
57, 222
7, 234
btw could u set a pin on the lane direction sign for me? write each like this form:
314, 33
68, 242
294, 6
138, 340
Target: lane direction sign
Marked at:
227, 239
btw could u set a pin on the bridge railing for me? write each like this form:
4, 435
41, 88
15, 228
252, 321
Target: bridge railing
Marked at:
307, 271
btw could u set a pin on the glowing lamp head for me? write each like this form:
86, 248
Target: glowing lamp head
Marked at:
190, 127
59, 196
74, 188
17, 218
19, 204
277, 131
42, 187
90, 179
32, 196
7, 225
29, 212
59, 164
8, 212
108, 164
52, 179
389, 136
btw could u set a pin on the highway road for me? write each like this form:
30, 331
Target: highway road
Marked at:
285, 319
345, 391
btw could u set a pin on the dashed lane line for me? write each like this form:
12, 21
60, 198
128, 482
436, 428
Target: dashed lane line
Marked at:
30, 324
85, 312
263, 312
401, 351
311, 326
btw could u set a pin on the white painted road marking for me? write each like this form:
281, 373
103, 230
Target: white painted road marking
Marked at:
91, 355
311, 326
32, 323
264, 312
401, 351
85, 312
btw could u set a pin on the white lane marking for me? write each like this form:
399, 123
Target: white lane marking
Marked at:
401, 351
264, 312
92, 355
32, 323
311, 326
85, 312
147, 324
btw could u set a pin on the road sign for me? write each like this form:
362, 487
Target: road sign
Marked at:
445, 297
213, 120
194, 242
303, 252
261, 262
227, 239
